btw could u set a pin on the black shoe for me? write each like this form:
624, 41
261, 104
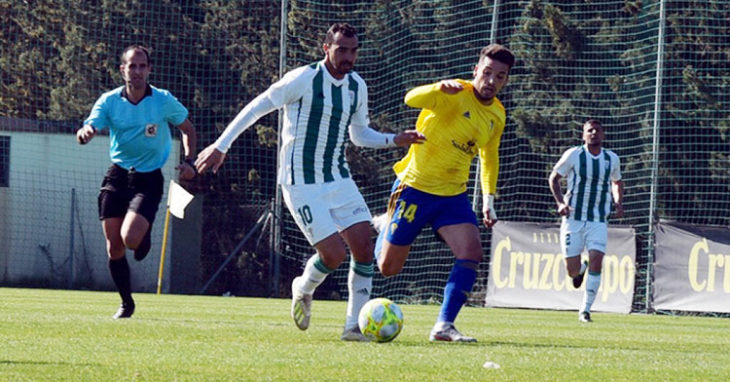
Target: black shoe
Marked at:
124, 311
144, 247
584, 317
577, 280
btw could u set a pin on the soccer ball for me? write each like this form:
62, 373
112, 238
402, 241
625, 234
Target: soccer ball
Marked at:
380, 320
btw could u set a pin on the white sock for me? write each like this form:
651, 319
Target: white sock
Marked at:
359, 286
314, 274
592, 284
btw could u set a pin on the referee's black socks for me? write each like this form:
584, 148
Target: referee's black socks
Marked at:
119, 269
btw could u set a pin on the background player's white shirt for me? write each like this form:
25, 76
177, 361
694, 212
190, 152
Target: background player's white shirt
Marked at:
589, 180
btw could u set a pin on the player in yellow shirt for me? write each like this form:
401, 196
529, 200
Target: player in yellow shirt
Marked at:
459, 119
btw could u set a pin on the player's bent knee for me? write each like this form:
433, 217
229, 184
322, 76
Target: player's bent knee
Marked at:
391, 259
388, 269
388, 272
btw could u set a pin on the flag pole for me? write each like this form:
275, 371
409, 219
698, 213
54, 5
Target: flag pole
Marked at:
177, 199
162, 251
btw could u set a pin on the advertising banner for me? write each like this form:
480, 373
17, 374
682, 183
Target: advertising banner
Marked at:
692, 268
527, 269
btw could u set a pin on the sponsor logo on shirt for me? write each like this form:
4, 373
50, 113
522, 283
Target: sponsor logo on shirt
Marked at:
468, 147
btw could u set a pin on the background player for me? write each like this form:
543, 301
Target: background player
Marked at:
589, 168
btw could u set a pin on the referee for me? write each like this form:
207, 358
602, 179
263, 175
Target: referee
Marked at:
137, 116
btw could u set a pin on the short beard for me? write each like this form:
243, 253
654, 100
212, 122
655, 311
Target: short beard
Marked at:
344, 71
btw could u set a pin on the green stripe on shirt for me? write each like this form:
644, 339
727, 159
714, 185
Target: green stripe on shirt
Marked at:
333, 132
602, 210
352, 87
578, 214
593, 191
315, 118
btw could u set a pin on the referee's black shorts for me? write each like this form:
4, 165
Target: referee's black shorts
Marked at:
123, 191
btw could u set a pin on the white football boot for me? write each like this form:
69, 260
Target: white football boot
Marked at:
301, 305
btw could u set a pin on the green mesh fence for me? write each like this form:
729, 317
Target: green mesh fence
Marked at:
58, 57
694, 146
576, 60
600, 59
581, 60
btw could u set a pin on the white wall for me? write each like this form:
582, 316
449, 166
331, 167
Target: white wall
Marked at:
36, 215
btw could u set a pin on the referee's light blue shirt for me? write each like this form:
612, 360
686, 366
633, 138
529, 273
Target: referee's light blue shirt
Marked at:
140, 134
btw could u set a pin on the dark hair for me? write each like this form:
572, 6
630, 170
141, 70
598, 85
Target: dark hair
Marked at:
593, 122
498, 52
136, 47
346, 29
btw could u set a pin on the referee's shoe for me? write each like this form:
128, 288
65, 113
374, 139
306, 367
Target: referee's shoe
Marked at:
125, 310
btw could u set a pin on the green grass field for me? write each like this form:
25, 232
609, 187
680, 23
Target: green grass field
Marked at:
69, 335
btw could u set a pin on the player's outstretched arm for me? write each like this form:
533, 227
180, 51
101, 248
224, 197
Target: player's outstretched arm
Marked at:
209, 158
409, 137
450, 86
84, 134
365, 136
432, 95
212, 157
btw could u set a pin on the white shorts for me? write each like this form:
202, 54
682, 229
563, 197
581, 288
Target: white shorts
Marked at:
323, 209
575, 235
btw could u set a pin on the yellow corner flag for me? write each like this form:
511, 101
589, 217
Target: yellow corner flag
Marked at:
177, 199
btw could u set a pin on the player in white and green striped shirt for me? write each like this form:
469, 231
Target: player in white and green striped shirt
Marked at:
594, 182
325, 106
